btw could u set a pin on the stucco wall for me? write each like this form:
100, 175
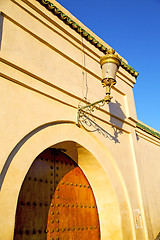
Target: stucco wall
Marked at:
148, 162
46, 72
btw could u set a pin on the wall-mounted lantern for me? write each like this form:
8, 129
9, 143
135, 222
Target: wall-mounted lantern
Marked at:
109, 64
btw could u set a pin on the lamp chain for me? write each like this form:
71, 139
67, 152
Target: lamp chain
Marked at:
84, 74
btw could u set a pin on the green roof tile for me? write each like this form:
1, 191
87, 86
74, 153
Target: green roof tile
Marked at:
148, 130
51, 7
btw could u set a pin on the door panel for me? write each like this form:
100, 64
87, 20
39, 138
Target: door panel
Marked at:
56, 201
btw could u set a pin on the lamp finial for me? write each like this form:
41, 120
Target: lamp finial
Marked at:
110, 51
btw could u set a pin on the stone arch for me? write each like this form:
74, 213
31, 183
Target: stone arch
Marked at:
98, 166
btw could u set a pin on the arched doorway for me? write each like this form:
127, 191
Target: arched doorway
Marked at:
56, 201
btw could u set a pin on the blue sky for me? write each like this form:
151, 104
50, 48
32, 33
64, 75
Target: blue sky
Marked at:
132, 28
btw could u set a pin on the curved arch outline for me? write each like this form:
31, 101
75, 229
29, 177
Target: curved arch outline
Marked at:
46, 127
19, 145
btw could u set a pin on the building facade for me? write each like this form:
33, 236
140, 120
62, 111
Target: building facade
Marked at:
49, 68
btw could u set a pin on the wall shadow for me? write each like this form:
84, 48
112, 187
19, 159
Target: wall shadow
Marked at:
1, 28
115, 110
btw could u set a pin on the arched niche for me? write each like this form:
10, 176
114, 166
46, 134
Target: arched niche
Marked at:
95, 161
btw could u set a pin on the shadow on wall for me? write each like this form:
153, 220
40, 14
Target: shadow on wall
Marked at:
89, 123
1, 29
115, 110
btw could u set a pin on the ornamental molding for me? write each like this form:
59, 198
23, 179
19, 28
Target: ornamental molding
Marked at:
68, 21
148, 130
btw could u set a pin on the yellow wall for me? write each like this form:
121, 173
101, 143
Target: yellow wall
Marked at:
46, 72
148, 162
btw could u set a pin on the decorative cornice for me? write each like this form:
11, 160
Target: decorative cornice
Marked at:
148, 130
52, 8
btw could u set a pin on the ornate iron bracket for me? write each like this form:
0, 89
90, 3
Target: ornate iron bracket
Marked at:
83, 118
90, 126
89, 109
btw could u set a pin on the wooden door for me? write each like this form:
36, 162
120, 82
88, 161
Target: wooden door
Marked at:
56, 201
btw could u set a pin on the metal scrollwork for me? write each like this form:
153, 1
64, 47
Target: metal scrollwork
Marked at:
84, 116
89, 109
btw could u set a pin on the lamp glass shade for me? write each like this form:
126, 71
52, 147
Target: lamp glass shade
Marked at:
109, 70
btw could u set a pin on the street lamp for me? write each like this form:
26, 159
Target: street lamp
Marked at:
109, 64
